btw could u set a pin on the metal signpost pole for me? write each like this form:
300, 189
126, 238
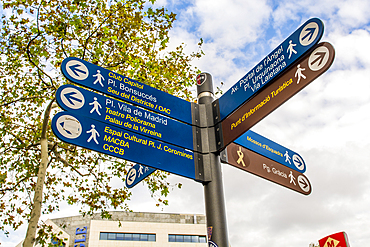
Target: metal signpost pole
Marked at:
213, 191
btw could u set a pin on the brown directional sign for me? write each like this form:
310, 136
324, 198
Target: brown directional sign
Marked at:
277, 92
261, 166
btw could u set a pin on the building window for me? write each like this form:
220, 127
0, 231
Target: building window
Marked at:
186, 238
127, 236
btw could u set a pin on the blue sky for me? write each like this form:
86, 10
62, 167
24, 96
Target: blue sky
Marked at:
327, 123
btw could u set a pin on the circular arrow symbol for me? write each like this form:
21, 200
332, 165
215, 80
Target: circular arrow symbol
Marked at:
69, 126
72, 98
77, 70
212, 244
318, 58
298, 162
309, 34
304, 183
131, 176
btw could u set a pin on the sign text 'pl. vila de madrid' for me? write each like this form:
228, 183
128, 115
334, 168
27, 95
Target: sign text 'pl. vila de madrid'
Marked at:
109, 110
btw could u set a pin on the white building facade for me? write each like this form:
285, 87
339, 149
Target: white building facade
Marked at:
132, 229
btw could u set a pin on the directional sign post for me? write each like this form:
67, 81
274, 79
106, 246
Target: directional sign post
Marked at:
279, 91
184, 138
111, 111
108, 139
271, 150
126, 89
213, 190
136, 174
272, 66
261, 166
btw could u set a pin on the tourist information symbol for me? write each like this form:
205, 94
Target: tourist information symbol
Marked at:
261, 166
108, 110
136, 174
271, 150
272, 66
120, 143
277, 92
126, 89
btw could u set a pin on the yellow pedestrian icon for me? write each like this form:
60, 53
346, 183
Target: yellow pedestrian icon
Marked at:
241, 156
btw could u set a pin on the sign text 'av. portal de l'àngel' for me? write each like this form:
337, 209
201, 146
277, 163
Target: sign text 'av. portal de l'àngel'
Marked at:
306, 70
272, 66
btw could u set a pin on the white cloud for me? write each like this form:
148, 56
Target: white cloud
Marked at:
231, 24
327, 123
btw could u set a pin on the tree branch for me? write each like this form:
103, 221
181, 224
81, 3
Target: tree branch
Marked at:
16, 185
29, 56
59, 158
96, 29
14, 101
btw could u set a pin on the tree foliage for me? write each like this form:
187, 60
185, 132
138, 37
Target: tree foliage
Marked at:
129, 37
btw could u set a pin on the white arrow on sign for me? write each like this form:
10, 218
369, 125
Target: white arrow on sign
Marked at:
131, 176
298, 162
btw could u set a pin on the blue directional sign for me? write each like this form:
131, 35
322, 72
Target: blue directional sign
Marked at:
295, 46
136, 174
126, 89
108, 139
271, 150
108, 110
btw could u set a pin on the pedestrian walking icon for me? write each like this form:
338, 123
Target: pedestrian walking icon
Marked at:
299, 74
140, 170
287, 157
94, 134
291, 49
96, 106
99, 77
292, 178
241, 156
